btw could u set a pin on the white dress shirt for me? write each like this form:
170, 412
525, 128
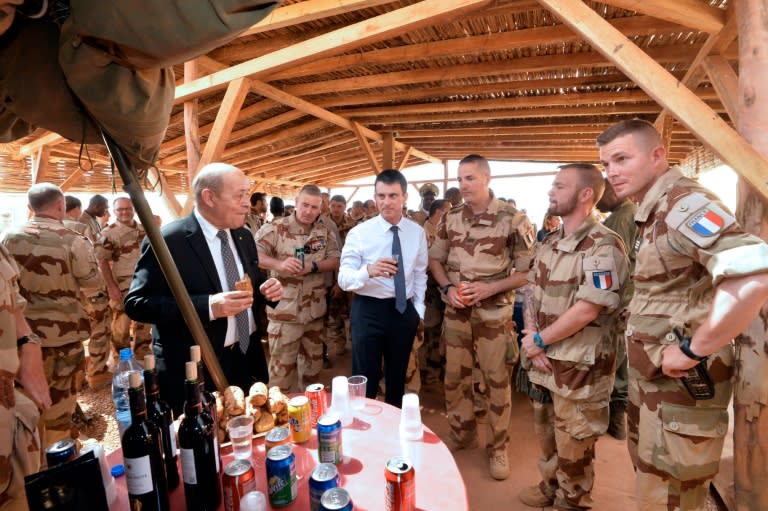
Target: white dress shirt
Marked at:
214, 245
370, 241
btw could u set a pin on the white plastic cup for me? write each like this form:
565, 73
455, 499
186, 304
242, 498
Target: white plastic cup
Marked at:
340, 399
411, 427
106, 476
357, 386
240, 431
253, 501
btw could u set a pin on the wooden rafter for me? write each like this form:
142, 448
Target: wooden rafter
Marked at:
358, 130
696, 14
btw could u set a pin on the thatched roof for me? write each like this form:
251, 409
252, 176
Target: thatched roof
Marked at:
325, 91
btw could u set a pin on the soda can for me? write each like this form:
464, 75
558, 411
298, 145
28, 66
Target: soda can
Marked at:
400, 493
299, 254
300, 418
277, 436
329, 439
336, 499
317, 400
61, 452
460, 288
239, 478
281, 475
324, 477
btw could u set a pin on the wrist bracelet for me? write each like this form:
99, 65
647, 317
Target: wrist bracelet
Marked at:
685, 347
446, 287
539, 342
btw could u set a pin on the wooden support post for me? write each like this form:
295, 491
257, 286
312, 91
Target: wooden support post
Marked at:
445, 176
191, 128
388, 151
40, 164
750, 434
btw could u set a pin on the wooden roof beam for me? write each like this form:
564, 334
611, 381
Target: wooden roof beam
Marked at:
654, 79
696, 14
275, 137
279, 156
426, 12
367, 151
47, 138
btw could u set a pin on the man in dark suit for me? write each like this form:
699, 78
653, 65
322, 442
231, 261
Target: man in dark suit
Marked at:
211, 249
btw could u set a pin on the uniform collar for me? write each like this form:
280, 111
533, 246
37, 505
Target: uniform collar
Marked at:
659, 188
487, 217
570, 242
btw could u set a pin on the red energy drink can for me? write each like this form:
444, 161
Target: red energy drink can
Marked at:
400, 492
461, 288
316, 395
239, 478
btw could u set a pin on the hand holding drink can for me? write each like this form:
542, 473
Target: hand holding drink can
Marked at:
462, 289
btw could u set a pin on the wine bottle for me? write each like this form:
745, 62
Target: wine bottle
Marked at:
202, 489
143, 455
159, 412
207, 399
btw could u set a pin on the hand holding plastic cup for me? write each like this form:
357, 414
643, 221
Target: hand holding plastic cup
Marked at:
357, 386
411, 427
340, 399
240, 431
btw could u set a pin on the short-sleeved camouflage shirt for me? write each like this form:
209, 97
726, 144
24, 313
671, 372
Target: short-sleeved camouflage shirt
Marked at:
484, 247
589, 264
687, 243
121, 245
10, 301
303, 296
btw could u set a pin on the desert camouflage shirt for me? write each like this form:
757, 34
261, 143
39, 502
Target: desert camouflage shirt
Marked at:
484, 247
120, 244
303, 296
94, 227
589, 264
687, 243
56, 263
10, 301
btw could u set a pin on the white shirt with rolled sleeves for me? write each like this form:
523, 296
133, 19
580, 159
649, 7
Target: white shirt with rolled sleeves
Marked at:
372, 240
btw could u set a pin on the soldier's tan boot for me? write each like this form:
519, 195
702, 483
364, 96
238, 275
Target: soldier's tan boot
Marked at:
534, 497
617, 425
499, 465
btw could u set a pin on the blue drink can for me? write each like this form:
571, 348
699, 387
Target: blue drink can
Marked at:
60, 452
336, 499
298, 252
329, 439
324, 477
281, 475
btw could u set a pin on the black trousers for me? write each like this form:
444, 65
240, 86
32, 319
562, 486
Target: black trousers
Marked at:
378, 329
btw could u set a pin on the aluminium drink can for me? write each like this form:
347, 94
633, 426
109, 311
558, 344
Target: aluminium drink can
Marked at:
239, 478
277, 436
281, 475
300, 417
317, 401
336, 499
329, 439
61, 452
298, 252
400, 492
324, 477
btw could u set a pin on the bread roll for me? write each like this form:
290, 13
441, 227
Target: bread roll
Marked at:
219, 405
264, 423
258, 394
234, 401
278, 402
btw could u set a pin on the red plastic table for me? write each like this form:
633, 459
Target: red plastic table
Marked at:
367, 444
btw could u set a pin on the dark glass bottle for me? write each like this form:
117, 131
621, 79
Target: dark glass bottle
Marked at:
143, 455
161, 414
202, 489
207, 399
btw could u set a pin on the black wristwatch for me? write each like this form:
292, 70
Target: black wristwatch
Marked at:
685, 347
315, 269
21, 341
446, 287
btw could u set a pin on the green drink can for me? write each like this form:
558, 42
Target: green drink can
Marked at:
299, 254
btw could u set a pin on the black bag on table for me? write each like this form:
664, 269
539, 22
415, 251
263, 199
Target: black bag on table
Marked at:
72, 486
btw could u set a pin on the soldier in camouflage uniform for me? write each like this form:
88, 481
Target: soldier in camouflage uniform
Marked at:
117, 250
56, 264
97, 303
255, 217
21, 362
295, 328
573, 301
486, 243
698, 273
337, 317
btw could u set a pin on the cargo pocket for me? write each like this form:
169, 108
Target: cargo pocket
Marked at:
318, 305
691, 441
581, 419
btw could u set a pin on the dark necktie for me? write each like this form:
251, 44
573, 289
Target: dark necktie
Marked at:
230, 269
400, 301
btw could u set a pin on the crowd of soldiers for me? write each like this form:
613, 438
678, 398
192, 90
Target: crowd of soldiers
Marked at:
595, 321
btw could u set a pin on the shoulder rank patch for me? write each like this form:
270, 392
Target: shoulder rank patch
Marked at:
699, 219
600, 272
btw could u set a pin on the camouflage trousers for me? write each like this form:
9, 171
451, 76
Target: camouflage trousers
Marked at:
124, 328
100, 343
675, 442
544, 428
63, 365
336, 323
621, 382
296, 354
478, 334
20, 450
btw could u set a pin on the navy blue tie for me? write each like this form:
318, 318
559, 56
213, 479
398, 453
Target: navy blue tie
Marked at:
230, 269
400, 300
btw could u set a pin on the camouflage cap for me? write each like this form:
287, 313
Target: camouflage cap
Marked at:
428, 188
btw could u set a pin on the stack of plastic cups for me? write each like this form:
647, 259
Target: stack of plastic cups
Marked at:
411, 427
253, 501
340, 399
106, 476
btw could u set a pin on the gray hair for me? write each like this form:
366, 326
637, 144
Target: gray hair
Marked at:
42, 196
211, 177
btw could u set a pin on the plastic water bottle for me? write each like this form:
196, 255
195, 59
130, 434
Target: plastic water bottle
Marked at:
120, 386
